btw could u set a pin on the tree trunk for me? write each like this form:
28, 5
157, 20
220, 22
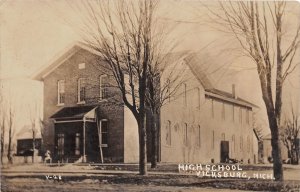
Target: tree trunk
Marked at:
33, 148
154, 131
142, 145
2, 148
276, 149
9, 155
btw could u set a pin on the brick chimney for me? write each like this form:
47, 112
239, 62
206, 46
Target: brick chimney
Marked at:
234, 95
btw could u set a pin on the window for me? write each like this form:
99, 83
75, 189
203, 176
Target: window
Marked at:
248, 144
241, 143
184, 95
213, 140
60, 143
61, 92
212, 108
81, 66
233, 143
223, 111
241, 115
81, 90
103, 86
168, 133
232, 112
104, 132
185, 134
247, 116
77, 144
199, 136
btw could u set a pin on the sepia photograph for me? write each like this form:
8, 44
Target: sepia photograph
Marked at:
149, 95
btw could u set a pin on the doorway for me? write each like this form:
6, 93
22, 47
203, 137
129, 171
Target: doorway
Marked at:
224, 151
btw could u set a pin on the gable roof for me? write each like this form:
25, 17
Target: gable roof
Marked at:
68, 52
192, 61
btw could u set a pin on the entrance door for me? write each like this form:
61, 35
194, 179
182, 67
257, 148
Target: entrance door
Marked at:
224, 151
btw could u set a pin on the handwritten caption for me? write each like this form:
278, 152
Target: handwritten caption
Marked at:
53, 177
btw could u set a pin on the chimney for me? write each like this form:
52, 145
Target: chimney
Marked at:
234, 91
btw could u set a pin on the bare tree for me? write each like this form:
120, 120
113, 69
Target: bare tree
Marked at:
254, 24
33, 116
10, 123
122, 33
2, 123
289, 136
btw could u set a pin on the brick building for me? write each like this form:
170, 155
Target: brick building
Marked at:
81, 105
209, 124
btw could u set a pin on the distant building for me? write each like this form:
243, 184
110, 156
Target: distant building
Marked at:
85, 117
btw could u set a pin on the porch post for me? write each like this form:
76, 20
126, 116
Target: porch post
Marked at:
84, 156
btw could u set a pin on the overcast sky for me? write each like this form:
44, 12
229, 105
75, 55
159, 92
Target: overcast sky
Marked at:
32, 32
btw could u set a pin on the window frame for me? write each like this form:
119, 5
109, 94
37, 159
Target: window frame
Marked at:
77, 144
101, 133
79, 83
198, 136
185, 134
103, 86
59, 92
168, 139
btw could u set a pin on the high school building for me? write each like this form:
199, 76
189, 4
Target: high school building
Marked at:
86, 120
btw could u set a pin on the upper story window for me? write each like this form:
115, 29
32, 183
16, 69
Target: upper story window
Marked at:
81, 90
212, 108
247, 117
103, 86
81, 66
61, 92
233, 112
241, 115
223, 111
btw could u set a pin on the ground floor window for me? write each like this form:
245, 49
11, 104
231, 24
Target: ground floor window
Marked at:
168, 133
104, 132
77, 144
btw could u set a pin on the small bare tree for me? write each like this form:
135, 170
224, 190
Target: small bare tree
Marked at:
253, 24
2, 123
11, 115
290, 136
164, 79
33, 116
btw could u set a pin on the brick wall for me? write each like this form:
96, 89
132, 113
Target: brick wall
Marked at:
111, 109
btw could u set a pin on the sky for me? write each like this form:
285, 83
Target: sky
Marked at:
33, 32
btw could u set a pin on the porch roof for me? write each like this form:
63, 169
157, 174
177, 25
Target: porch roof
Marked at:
77, 112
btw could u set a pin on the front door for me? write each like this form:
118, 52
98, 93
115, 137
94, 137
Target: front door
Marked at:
224, 151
